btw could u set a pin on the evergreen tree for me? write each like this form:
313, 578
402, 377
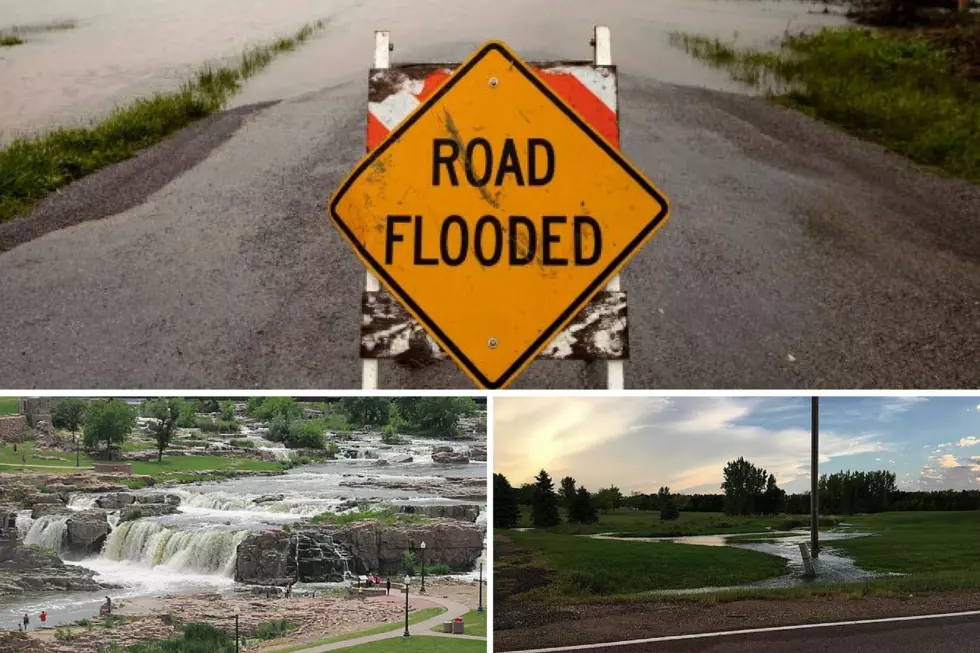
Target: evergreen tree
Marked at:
582, 510
567, 491
544, 507
668, 508
506, 512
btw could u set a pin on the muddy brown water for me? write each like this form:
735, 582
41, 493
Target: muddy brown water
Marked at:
121, 51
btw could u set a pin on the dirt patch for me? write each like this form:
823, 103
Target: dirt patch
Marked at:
520, 625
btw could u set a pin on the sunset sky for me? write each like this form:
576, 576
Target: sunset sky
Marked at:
641, 443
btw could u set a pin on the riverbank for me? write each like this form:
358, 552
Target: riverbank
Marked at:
918, 93
33, 167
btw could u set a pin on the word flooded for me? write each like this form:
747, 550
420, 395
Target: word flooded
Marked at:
513, 239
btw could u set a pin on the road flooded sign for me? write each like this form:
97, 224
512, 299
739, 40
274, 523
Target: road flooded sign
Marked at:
495, 211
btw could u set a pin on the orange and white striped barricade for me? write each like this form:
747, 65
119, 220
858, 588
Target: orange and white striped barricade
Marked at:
600, 331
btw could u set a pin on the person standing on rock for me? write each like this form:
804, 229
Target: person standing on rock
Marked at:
44, 616
388, 586
108, 605
289, 590
27, 621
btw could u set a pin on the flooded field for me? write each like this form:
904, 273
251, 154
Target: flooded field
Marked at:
116, 52
831, 566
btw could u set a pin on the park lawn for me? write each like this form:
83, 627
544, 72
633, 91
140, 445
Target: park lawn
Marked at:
474, 623
413, 618
27, 449
8, 406
640, 523
420, 644
580, 567
197, 463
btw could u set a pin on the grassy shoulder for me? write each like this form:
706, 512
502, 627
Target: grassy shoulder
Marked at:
902, 89
8, 406
639, 523
31, 168
413, 618
385, 517
474, 623
583, 568
421, 645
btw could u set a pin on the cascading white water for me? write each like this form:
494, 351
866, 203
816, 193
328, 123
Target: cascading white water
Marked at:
151, 544
281, 453
81, 501
24, 523
49, 532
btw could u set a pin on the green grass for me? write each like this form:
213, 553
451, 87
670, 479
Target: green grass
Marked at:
748, 539
27, 449
637, 523
413, 618
9, 40
8, 406
583, 567
474, 623
31, 168
386, 517
418, 644
899, 90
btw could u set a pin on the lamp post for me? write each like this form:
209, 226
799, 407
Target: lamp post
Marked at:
479, 610
406, 606
238, 612
422, 589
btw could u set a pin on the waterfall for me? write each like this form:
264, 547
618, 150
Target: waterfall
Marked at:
49, 532
151, 544
81, 501
281, 453
24, 523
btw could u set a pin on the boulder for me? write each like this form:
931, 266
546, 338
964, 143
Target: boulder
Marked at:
442, 449
381, 549
158, 497
478, 453
43, 497
450, 458
130, 513
462, 512
115, 500
45, 509
380, 462
264, 558
87, 531
269, 498
400, 459
25, 568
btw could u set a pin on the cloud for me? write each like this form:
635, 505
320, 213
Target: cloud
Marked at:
948, 461
951, 474
944, 445
969, 442
898, 405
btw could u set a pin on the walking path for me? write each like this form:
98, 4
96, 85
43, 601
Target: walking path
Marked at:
453, 610
64, 467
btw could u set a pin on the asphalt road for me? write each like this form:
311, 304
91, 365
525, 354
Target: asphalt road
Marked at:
959, 635
796, 257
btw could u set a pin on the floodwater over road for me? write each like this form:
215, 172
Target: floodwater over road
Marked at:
831, 565
195, 550
120, 51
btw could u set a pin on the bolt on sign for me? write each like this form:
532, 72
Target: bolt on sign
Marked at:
494, 211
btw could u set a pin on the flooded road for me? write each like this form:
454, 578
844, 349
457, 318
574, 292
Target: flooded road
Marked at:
117, 52
831, 565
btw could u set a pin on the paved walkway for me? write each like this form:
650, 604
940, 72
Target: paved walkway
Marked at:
62, 467
453, 610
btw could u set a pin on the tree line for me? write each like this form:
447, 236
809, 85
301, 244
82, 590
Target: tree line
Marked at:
748, 490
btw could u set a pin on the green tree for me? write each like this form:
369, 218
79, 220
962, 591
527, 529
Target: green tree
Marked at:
227, 409
544, 508
366, 411
744, 485
167, 413
108, 421
774, 499
582, 510
188, 415
567, 492
273, 407
668, 508
506, 512
209, 405
280, 429
609, 498
69, 414
306, 434
253, 405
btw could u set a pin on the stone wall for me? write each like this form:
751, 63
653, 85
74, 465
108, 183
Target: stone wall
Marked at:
37, 408
112, 468
14, 428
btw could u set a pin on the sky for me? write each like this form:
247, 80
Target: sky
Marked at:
642, 443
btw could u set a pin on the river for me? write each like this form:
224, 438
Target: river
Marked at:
194, 550
121, 51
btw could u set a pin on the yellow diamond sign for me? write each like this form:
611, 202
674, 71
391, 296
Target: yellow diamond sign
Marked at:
494, 212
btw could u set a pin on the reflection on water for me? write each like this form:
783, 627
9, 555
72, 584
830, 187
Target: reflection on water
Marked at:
119, 51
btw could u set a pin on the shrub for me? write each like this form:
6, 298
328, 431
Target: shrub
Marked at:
409, 561
389, 434
336, 422
273, 629
63, 635
242, 444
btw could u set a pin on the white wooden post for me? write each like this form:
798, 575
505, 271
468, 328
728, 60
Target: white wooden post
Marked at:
369, 366
602, 56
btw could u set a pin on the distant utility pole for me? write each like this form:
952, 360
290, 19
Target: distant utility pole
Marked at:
814, 458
